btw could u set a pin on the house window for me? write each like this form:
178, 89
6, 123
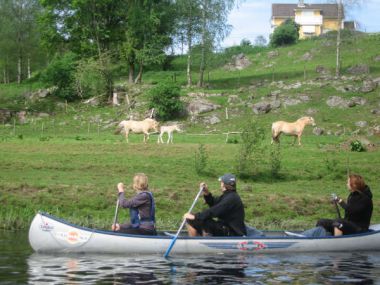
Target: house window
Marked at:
308, 13
308, 29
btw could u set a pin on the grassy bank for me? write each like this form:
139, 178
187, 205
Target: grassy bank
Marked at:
76, 179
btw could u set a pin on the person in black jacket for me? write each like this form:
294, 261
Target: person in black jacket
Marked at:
228, 210
357, 209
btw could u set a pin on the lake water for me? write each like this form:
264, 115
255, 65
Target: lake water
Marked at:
20, 265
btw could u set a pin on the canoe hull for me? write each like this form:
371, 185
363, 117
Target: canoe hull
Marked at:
50, 234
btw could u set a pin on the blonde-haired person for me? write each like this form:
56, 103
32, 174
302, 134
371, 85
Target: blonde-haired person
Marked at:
357, 209
141, 208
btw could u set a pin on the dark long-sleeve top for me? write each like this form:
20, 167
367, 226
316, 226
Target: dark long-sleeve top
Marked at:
358, 208
142, 202
228, 208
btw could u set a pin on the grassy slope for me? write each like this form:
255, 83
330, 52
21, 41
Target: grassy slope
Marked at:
68, 166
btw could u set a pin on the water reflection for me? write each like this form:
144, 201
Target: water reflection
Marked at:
320, 268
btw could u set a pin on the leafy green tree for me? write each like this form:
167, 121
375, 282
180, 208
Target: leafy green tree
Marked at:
214, 28
165, 98
19, 39
285, 34
150, 24
61, 74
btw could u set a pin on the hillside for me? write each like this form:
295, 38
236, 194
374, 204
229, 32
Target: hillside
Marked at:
64, 158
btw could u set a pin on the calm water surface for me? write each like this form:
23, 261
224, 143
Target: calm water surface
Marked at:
20, 265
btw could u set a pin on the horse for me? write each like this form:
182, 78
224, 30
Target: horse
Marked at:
169, 130
291, 129
138, 127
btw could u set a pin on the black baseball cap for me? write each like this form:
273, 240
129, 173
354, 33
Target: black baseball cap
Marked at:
228, 179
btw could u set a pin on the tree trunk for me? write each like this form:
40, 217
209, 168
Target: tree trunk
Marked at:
131, 73
203, 48
29, 72
189, 49
4, 76
139, 75
338, 40
19, 70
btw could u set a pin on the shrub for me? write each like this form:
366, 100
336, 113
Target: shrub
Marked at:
90, 80
275, 160
165, 99
201, 158
357, 146
251, 151
60, 73
285, 34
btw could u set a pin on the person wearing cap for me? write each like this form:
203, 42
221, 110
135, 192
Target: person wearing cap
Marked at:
225, 215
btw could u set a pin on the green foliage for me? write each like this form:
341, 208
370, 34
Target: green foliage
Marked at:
61, 73
200, 162
251, 150
285, 34
357, 146
90, 78
165, 98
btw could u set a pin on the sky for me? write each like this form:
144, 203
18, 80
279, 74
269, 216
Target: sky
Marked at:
252, 18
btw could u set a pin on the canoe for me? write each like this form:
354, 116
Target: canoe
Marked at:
51, 234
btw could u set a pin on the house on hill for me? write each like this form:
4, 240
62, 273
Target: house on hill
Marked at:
314, 19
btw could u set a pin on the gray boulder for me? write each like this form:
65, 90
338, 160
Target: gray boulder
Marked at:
336, 101
272, 54
358, 69
199, 106
358, 100
361, 124
212, 120
261, 108
368, 86
291, 102
318, 131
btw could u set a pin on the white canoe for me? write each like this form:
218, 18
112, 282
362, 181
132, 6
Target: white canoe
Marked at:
50, 234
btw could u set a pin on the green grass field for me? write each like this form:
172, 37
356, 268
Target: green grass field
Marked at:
68, 164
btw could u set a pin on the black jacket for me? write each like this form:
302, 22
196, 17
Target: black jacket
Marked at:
358, 209
228, 208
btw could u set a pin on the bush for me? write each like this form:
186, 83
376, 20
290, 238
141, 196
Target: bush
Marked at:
89, 79
165, 99
251, 150
285, 34
60, 73
201, 158
357, 146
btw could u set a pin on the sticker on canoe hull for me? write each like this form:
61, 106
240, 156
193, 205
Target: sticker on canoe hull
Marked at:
248, 245
46, 227
73, 236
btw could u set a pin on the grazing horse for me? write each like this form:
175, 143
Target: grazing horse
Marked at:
169, 130
138, 127
291, 129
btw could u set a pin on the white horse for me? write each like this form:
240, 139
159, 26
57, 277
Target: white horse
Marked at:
291, 129
169, 130
138, 127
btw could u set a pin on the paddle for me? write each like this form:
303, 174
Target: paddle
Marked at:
116, 212
334, 198
183, 223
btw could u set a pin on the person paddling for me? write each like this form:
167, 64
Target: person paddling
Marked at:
142, 208
357, 209
228, 209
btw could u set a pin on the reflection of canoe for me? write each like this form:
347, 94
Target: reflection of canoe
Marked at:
50, 234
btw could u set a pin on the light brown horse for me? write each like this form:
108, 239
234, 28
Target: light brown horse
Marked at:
169, 130
138, 127
291, 129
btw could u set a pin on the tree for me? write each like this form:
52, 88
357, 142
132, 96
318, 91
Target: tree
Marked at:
260, 41
188, 27
19, 38
245, 43
150, 24
285, 34
341, 7
165, 98
214, 28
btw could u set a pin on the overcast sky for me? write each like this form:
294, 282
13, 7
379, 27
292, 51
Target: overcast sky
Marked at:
252, 18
